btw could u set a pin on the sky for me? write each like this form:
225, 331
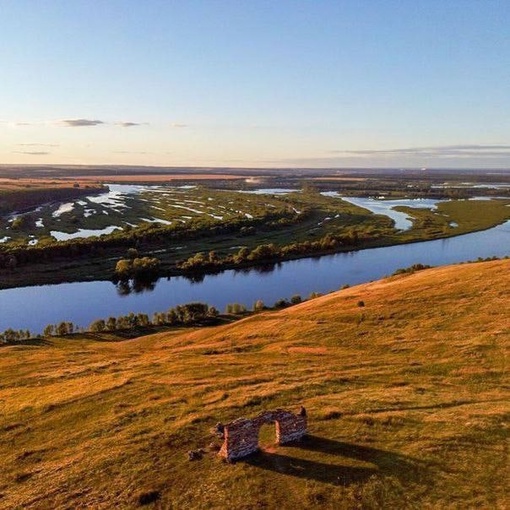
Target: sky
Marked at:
256, 83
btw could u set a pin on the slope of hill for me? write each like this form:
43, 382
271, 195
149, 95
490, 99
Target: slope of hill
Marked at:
404, 381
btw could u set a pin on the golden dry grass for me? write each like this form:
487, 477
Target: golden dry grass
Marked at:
407, 400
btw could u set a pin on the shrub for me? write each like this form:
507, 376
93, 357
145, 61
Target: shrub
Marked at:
235, 308
281, 303
146, 498
258, 306
411, 269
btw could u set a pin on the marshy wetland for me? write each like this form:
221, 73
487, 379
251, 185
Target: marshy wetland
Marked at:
79, 238
231, 240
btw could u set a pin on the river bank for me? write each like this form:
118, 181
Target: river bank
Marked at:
81, 303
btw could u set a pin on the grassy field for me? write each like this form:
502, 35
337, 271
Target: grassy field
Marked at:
405, 381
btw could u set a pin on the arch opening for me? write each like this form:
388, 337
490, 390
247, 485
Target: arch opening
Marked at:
267, 436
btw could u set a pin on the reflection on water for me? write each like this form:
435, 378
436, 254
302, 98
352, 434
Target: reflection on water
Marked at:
82, 303
136, 286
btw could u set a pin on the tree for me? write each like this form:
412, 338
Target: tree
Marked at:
97, 326
123, 268
258, 306
281, 303
49, 330
111, 324
61, 329
213, 312
263, 252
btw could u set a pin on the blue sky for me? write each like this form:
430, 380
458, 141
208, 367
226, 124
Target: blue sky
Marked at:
345, 83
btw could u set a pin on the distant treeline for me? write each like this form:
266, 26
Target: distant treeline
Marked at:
272, 253
21, 200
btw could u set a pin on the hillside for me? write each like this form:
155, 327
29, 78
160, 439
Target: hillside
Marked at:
407, 400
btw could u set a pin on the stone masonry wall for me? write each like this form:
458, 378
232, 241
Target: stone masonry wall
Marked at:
241, 436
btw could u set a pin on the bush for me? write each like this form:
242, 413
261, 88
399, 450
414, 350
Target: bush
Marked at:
410, 270
136, 267
296, 299
235, 308
258, 306
281, 303
146, 498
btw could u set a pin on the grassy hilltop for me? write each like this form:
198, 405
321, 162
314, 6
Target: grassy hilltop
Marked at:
407, 398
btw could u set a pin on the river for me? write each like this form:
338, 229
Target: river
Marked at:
34, 307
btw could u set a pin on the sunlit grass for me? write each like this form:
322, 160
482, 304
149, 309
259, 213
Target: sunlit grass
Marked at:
407, 408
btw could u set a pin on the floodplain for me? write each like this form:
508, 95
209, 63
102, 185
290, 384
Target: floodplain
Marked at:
174, 220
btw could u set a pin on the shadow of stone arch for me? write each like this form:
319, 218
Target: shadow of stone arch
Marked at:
241, 436
330, 473
338, 468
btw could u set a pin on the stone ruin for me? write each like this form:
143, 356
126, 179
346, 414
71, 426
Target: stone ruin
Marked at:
241, 436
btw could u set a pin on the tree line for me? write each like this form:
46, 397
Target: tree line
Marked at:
270, 252
47, 250
186, 315
29, 198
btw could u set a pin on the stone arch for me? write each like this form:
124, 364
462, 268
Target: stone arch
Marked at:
241, 436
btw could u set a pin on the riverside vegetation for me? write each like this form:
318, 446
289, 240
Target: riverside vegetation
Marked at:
191, 230
407, 404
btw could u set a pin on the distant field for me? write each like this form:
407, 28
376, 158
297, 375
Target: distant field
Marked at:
336, 178
405, 381
10, 184
156, 177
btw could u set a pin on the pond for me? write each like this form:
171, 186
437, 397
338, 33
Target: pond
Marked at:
81, 303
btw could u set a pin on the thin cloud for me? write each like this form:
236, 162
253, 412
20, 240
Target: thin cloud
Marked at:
131, 152
82, 122
177, 125
130, 124
33, 153
38, 145
495, 150
20, 123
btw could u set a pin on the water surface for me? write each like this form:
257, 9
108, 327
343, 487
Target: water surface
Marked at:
81, 303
